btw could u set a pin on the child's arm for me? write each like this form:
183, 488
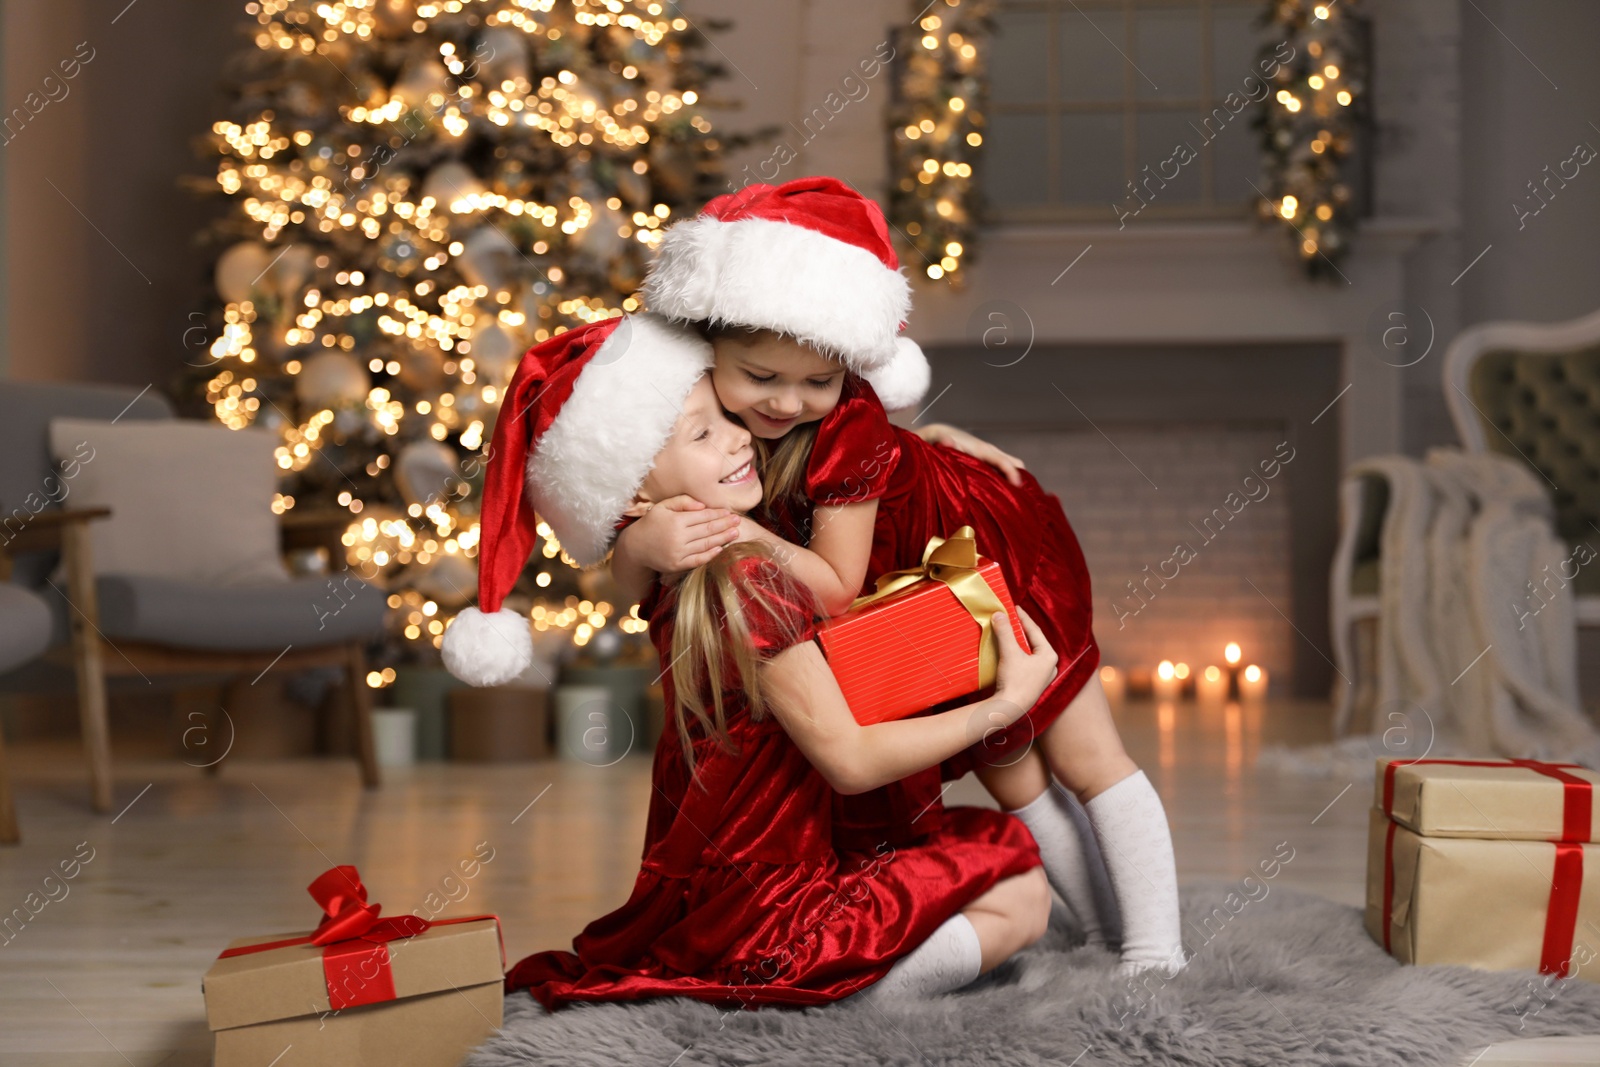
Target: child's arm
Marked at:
855, 759
937, 433
678, 534
835, 566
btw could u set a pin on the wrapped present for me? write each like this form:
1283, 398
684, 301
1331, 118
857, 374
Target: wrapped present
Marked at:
923, 637
1519, 799
1482, 862
359, 989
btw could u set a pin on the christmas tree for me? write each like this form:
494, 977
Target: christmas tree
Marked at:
419, 192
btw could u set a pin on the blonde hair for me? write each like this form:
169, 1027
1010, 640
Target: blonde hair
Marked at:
710, 627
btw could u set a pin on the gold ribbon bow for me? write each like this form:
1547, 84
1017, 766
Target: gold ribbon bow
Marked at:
952, 560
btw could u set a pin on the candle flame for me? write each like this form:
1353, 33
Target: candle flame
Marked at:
1232, 653
1252, 673
1213, 674
1165, 670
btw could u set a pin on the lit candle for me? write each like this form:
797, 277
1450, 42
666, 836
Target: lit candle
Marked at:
1166, 683
1114, 683
1253, 683
1211, 685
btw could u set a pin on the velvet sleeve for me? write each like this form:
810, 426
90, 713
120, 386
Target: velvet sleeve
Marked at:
777, 611
855, 451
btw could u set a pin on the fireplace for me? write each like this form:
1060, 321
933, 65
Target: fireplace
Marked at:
1190, 351
1201, 481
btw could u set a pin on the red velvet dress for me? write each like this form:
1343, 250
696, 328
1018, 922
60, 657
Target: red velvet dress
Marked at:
926, 491
742, 897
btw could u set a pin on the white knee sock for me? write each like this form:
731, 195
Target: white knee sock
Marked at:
1072, 861
949, 959
1131, 826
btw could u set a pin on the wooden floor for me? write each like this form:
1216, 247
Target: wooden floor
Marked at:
109, 974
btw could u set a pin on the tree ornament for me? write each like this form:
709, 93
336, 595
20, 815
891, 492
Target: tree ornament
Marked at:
332, 380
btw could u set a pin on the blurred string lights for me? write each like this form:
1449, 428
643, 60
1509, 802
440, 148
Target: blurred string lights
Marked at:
937, 127
1310, 126
421, 191
1308, 129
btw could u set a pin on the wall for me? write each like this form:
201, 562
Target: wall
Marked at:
47, 248
1530, 94
99, 254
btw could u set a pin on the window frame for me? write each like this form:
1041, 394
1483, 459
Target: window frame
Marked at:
1129, 109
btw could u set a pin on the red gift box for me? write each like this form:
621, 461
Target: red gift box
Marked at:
923, 637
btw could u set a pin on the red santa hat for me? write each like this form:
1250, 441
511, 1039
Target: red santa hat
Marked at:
810, 258
579, 429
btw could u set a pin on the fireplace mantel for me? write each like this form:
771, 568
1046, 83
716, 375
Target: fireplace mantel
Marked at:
1196, 283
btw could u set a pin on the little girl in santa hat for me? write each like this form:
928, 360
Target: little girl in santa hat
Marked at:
742, 896
800, 290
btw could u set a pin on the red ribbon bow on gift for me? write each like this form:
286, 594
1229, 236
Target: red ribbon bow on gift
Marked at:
354, 940
346, 915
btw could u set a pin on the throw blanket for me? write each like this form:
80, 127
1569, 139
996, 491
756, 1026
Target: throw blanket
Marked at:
1476, 625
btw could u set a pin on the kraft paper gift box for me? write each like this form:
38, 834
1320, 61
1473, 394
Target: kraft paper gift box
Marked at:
1483, 862
360, 990
918, 640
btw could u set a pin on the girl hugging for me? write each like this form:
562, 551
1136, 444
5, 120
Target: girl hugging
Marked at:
735, 437
799, 291
743, 898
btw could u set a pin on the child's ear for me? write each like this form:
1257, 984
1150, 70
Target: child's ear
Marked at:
639, 506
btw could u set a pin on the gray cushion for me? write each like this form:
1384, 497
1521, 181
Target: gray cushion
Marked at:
28, 476
24, 626
305, 612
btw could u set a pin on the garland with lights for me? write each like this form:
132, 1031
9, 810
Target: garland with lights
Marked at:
936, 118
1309, 129
420, 191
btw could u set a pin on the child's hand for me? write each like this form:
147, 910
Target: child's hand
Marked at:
937, 433
1021, 677
680, 533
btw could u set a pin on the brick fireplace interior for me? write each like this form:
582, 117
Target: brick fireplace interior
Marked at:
1201, 481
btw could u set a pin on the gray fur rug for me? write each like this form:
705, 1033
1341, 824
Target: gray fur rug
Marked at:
1286, 978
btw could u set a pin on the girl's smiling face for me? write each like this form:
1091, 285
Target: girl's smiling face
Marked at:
708, 457
773, 383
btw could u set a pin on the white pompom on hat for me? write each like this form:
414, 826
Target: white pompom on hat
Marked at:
579, 429
810, 258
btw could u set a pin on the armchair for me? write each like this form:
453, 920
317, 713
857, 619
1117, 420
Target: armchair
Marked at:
128, 624
24, 635
1532, 392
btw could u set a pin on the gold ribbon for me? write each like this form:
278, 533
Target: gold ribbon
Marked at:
952, 560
